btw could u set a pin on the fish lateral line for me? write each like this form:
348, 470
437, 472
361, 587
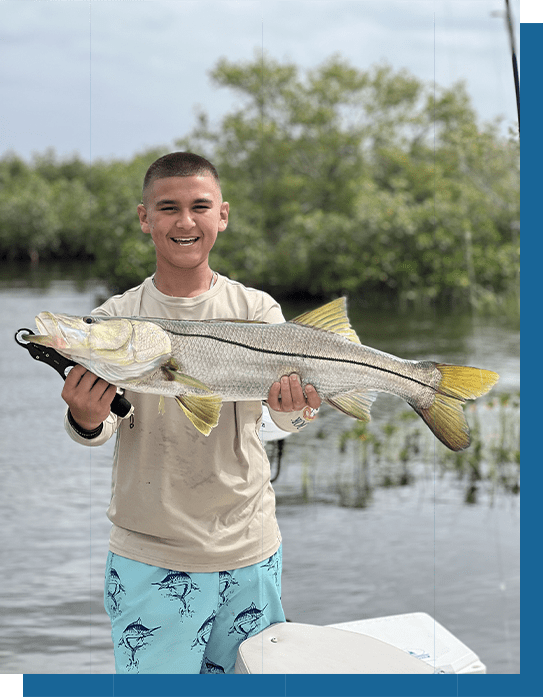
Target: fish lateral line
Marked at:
273, 352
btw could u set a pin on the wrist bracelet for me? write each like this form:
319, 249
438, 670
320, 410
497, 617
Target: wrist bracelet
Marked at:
83, 432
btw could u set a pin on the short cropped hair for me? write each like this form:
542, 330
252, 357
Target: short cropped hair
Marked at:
179, 164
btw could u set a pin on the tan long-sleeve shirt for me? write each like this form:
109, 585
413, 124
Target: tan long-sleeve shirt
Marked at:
181, 500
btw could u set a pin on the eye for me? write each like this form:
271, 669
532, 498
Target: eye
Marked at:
89, 320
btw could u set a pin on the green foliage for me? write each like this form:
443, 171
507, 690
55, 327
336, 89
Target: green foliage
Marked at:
392, 454
340, 180
369, 183
68, 210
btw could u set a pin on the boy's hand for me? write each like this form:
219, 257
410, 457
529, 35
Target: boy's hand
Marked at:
88, 397
288, 395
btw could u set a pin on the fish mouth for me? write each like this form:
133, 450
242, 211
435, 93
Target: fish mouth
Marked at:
184, 241
50, 333
46, 323
55, 342
60, 332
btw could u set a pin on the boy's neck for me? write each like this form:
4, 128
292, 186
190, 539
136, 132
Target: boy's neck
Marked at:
184, 283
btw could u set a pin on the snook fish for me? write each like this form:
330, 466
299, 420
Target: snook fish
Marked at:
202, 363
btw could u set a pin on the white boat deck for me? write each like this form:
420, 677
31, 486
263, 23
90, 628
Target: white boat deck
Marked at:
413, 643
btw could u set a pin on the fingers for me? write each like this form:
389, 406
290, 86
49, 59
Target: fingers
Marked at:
273, 399
313, 398
288, 395
88, 397
80, 382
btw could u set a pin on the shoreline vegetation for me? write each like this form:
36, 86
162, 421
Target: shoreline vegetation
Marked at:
366, 183
395, 452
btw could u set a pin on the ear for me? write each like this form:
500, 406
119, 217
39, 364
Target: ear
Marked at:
224, 216
143, 216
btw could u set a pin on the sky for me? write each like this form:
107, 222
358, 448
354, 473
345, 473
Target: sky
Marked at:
110, 78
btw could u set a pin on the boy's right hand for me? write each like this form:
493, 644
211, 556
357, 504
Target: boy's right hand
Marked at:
88, 397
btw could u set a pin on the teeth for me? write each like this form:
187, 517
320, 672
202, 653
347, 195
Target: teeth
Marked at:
184, 241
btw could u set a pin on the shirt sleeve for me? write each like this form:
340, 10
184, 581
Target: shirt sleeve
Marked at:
109, 427
293, 421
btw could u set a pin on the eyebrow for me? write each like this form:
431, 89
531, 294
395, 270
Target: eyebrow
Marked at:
170, 202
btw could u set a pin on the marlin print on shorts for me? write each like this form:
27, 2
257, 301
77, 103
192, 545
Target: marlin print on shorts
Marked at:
247, 621
226, 582
272, 565
204, 631
179, 586
116, 591
134, 638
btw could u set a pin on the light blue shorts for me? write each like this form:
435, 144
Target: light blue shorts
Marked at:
167, 621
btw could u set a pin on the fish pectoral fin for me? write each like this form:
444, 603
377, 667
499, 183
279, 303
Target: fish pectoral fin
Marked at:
171, 372
355, 404
202, 411
331, 318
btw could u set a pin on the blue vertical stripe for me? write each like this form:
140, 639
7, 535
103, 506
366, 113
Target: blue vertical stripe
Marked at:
531, 299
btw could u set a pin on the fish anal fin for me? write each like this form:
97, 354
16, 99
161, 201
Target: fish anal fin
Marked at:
202, 411
355, 404
331, 318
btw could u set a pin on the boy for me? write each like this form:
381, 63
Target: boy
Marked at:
195, 552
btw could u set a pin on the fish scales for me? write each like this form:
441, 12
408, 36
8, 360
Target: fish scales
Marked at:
208, 351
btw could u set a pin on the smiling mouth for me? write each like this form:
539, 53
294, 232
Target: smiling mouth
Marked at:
184, 241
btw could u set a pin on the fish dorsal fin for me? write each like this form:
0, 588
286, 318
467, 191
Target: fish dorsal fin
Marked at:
331, 318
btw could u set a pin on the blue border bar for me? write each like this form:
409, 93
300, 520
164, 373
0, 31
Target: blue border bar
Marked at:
531, 532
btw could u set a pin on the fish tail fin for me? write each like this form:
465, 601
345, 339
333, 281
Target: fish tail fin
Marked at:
445, 417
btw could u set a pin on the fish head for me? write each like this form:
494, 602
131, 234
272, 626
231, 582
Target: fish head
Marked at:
115, 348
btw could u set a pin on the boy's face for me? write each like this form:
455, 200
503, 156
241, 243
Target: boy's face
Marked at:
183, 215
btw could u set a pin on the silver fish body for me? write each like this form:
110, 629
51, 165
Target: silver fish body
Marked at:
241, 361
202, 363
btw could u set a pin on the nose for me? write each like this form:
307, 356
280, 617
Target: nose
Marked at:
185, 221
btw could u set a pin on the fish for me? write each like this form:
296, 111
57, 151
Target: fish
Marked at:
203, 363
247, 621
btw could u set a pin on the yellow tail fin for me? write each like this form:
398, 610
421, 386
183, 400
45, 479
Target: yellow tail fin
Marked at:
445, 416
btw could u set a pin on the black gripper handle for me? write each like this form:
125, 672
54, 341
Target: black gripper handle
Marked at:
45, 354
120, 406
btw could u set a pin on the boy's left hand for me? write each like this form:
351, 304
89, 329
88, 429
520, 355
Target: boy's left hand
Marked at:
289, 395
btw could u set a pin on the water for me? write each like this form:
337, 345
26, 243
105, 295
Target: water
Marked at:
412, 549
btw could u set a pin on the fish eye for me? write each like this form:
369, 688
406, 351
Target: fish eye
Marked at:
89, 320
